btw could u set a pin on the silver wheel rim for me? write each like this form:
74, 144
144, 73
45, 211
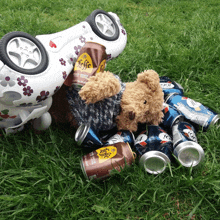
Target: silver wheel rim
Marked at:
105, 25
24, 53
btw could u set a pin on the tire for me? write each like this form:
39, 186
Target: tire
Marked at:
23, 53
96, 20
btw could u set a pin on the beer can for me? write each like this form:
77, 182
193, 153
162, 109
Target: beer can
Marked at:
185, 144
101, 163
193, 111
171, 116
86, 136
168, 86
91, 60
154, 149
121, 136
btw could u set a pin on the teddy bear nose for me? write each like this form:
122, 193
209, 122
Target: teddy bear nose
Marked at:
131, 115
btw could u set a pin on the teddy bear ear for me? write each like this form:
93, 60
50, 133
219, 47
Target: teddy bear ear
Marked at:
149, 77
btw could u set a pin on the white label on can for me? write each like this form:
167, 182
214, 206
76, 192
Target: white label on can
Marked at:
165, 137
166, 85
140, 138
190, 134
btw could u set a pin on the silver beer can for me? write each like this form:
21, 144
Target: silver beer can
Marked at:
186, 147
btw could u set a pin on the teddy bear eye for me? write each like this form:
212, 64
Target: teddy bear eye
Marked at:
145, 102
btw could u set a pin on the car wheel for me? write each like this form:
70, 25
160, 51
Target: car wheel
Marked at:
23, 53
104, 25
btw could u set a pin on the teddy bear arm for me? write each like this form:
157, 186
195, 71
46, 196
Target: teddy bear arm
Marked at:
102, 85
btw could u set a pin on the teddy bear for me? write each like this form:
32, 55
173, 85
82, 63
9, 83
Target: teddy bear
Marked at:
106, 102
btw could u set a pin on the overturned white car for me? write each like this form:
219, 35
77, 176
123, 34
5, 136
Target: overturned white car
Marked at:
32, 69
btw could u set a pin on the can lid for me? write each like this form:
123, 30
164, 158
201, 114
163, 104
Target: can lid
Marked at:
81, 133
154, 162
189, 153
216, 121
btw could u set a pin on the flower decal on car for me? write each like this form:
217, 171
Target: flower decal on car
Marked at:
5, 81
27, 91
43, 95
123, 31
22, 81
64, 75
62, 61
77, 49
4, 115
82, 39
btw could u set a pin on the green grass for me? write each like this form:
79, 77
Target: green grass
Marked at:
40, 175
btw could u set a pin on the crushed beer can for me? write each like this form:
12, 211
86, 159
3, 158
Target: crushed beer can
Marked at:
121, 136
168, 86
86, 136
185, 144
193, 111
102, 163
155, 149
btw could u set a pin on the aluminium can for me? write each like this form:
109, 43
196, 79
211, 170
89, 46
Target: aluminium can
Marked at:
171, 116
154, 149
185, 144
91, 60
86, 136
102, 163
121, 136
168, 86
194, 111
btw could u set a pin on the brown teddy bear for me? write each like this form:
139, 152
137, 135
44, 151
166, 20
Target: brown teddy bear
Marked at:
104, 101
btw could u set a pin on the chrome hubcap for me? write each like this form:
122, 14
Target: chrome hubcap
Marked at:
105, 25
24, 53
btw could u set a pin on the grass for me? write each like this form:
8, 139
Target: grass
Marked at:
40, 175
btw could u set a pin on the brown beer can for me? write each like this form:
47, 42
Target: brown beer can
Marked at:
91, 60
100, 163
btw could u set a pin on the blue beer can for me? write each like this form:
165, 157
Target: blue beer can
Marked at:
86, 136
154, 150
185, 144
171, 116
193, 111
168, 86
121, 136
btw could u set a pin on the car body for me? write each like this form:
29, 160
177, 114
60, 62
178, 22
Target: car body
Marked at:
32, 69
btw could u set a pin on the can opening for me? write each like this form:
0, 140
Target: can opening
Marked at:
81, 133
189, 157
155, 165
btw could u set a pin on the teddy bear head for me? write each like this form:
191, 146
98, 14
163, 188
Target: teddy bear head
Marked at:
142, 102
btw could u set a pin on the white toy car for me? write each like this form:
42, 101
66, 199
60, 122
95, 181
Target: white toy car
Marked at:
32, 69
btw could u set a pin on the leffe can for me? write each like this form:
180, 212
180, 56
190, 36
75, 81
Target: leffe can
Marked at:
154, 149
121, 136
102, 162
193, 111
86, 136
168, 86
171, 116
185, 144
91, 60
